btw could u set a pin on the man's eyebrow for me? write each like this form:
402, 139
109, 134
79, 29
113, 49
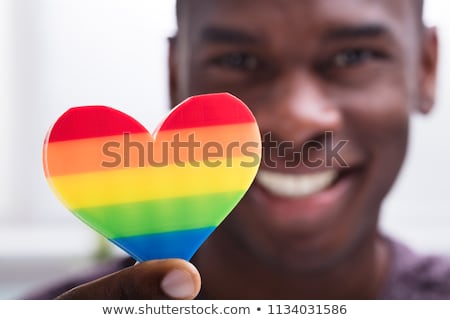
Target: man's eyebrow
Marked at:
216, 34
354, 32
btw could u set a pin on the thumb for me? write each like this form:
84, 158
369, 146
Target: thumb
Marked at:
155, 279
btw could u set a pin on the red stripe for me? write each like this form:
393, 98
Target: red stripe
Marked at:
208, 110
93, 122
198, 111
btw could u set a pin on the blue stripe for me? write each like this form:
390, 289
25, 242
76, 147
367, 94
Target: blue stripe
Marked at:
177, 244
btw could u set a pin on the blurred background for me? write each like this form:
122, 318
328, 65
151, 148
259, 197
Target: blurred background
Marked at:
55, 54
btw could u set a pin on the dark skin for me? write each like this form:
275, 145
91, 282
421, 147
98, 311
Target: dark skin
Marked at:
358, 70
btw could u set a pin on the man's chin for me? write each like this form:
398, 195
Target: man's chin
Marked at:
297, 256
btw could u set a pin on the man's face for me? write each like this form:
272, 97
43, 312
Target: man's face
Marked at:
331, 84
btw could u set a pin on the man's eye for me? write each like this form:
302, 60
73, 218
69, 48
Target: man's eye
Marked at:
238, 61
354, 57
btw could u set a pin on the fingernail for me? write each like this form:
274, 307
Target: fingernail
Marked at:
178, 284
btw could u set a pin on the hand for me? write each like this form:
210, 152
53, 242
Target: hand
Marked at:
156, 279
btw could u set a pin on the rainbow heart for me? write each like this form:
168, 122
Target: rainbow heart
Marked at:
154, 198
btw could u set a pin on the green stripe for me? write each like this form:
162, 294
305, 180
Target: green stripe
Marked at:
162, 215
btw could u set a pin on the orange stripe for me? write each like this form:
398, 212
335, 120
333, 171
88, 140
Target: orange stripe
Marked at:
90, 155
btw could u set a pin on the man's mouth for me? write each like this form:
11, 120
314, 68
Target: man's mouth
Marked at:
290, 185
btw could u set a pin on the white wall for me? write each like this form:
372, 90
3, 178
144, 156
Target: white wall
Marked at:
71, 53
62, 53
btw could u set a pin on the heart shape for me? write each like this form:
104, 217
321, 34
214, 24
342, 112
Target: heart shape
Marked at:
157, 196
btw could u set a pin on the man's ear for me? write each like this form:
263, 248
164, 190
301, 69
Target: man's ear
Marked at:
173, 66
428, 72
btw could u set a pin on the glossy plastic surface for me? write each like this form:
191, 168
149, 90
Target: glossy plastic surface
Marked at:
161, 195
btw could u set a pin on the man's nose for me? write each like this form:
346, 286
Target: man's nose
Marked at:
298, 109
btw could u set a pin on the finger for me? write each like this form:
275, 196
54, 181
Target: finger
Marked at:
156, 279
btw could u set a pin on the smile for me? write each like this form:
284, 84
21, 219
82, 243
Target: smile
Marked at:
296, 185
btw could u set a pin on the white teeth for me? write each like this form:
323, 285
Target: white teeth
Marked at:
295, 185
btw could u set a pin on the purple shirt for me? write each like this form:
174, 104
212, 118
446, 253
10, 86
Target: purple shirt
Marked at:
416, 277
411, 276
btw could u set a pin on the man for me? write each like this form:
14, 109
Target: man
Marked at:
345, 74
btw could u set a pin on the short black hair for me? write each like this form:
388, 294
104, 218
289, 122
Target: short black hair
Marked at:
180, 6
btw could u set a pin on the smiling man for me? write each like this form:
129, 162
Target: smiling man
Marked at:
357, 69
336, 82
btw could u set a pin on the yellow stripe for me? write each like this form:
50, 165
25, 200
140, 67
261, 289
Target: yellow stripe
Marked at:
149, 183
